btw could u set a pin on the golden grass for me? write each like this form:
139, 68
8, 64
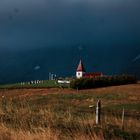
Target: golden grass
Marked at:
56, 114
45, 134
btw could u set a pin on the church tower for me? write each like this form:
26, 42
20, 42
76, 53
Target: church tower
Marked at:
80, 70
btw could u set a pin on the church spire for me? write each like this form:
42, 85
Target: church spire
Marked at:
80, 67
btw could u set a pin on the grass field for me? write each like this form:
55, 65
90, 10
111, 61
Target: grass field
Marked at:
42, 84
64, 114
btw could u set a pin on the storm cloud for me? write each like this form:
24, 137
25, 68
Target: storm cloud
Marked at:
36, 23
110, 27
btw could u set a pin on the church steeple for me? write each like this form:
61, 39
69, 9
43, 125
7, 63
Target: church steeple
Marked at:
80, 67
80, 70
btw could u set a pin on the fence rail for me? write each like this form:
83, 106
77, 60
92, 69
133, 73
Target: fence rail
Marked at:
112, 112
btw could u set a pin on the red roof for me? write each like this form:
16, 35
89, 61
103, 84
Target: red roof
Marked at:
81, 67
95, 74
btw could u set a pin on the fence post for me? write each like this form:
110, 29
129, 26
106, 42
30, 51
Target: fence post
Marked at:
123, 119
98, 112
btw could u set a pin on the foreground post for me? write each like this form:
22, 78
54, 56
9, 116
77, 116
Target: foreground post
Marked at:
123, 119
98, 112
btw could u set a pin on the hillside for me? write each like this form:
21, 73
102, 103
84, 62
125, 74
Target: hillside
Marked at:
68, 114
64, 60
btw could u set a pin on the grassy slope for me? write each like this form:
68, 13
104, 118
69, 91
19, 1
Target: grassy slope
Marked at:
65, 113
44, 84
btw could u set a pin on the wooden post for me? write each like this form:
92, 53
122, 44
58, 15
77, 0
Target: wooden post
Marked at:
123, 119
77, 89
98, 112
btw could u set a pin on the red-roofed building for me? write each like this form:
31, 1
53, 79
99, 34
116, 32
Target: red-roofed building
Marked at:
80, 72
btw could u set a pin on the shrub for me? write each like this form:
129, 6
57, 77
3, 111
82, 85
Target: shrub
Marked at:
85, 83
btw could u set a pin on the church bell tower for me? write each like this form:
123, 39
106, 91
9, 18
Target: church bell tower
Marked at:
80, 70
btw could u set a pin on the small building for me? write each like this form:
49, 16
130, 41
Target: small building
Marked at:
81, 73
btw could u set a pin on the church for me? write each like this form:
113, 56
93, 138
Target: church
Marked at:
81, 73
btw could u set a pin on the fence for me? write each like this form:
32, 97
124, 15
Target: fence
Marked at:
101, 112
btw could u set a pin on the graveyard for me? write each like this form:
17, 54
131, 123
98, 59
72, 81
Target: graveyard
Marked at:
34, 84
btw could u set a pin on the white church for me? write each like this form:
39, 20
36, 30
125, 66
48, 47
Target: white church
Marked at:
80, 72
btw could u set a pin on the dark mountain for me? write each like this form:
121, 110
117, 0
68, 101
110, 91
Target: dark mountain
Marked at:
37, 63
134, 67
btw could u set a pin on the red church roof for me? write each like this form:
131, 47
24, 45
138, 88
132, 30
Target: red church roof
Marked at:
92, 75
81, 67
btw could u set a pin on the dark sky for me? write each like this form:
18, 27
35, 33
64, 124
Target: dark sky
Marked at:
103, 25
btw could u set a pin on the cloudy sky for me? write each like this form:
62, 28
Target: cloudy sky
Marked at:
36, 23
105, 25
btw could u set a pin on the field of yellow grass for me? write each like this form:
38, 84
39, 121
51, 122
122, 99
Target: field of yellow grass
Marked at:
65, 114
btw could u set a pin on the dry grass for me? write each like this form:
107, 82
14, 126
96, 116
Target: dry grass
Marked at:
45, 134
56, 114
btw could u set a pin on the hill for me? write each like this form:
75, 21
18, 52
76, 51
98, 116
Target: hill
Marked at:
68, 114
